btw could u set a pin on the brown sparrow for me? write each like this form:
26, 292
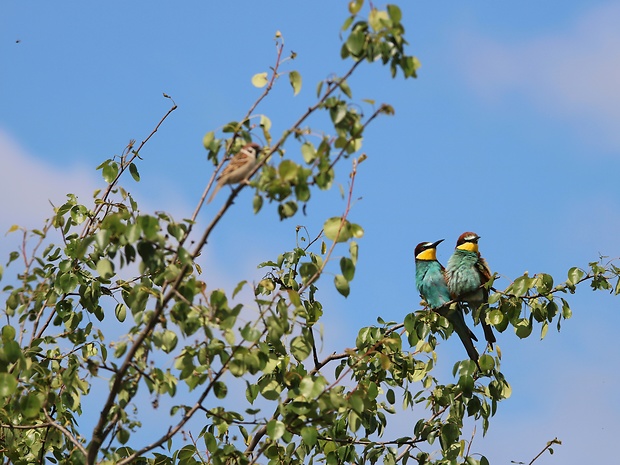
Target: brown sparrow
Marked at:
238, 167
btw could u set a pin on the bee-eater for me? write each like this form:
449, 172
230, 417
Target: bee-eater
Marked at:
466, 273
431, 283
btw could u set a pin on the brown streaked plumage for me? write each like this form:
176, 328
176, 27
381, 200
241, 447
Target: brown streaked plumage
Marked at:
238, 168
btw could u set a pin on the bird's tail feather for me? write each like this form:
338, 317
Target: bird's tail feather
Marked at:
215, 191
464, 333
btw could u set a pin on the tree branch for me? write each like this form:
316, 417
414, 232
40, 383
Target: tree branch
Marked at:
66, 432
91, 221
547, 447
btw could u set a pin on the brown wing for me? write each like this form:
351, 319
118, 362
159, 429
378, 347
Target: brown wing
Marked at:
237, 168
485, 275
484, 270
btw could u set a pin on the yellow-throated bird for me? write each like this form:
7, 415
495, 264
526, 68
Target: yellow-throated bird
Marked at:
430, 281
466, 274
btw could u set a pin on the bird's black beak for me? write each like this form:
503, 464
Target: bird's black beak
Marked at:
435, 244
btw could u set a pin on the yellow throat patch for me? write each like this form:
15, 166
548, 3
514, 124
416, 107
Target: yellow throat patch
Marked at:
428, 254
469, 246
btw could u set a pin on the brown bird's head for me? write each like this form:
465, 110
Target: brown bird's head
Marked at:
252, 146
427, 250
468, 241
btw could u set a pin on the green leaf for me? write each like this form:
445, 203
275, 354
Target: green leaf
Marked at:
486, 362
337, 114
208, 138
353, 250
79, 213
288, 209
121, 312
355, 6
331, 227
8, 333
395, 13
12, 257
123, 435
259, 80
249, 333
355, 43
133, 169
257, 203
523, 328
265, 124
410, 66
319, 88
238, 288
356, 230
300, 348
566, 311
220, 389
288, 170
105, 268
231, 126
149, 225
348, 268
302, 192
449, 434
169, 341
346, 90
8, 384
544, 283
109, 172
295, 79
308, 152
342, 285
495, 317
309, 435
31, 406
210, 442
574, 275
275, 429
12, 351
466, 383
307, 270
67, 282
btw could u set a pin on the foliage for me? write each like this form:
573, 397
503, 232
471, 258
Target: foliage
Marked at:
63, 343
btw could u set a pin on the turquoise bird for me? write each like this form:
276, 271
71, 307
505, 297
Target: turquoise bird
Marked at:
466, 274
430, 281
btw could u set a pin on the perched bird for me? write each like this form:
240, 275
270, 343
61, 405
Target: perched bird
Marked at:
238, 167
466, 273
430, 281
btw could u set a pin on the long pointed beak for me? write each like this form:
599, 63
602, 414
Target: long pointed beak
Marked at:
435, 244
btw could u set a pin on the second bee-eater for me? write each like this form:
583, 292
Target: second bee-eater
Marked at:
466, 274
430, 281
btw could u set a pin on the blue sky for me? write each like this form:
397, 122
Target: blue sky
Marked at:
510, 130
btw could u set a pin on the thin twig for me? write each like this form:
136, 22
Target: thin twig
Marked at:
66, 432
104, 199
263, 160
547, 447
188, 414
264, 94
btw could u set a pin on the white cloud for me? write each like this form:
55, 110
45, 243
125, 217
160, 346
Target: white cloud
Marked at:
28, 185
573, 74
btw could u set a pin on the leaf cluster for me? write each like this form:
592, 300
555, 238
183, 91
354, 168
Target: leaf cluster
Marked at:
111, 303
